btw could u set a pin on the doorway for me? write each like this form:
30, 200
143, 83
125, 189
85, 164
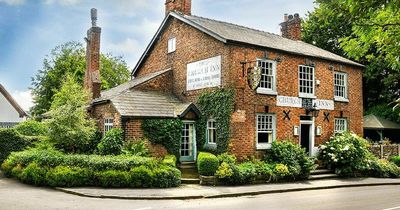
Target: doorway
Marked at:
307, 136
188, 142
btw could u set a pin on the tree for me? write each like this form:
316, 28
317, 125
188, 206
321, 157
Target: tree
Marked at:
70, 128
70, 58
342, 27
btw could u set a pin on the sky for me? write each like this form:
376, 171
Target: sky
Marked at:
29, 29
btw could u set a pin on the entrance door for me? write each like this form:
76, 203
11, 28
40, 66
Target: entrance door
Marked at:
305, 137
188, 143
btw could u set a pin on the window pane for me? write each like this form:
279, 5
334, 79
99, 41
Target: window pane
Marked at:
267, 74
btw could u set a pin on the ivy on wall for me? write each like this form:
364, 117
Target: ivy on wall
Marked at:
167, 132
217, 105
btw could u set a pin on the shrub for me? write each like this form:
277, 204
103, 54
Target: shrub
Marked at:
11, 141
113, 178
224, 171
293, 156
31, 128
64, 176
207, 164
384, 169
138, 148
281, 171
142, 176
169, 160
112, 142
347, 154
166, 176
227, 158
33, 174
395, 160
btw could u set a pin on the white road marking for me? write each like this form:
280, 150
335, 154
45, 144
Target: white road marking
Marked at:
393, 208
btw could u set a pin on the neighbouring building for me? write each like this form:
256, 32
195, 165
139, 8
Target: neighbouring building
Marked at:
305, 93
10, 112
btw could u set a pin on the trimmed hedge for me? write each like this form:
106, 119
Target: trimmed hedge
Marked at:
11, 141
207, 164
50, 167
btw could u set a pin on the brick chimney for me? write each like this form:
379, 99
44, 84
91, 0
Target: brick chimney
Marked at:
92, 81
181, 6
291, 26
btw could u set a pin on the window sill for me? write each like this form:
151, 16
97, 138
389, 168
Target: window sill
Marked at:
266, 91
341, 100
307, 96
263, 146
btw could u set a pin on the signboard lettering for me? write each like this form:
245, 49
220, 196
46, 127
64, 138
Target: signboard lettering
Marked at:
203, 74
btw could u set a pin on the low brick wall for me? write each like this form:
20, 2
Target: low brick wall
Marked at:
385, 151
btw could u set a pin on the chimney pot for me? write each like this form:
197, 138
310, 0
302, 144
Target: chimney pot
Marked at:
291, 27
296, 15
290, 17
93, 16
285, 17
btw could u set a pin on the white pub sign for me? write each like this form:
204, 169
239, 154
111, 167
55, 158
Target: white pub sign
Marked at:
203, 74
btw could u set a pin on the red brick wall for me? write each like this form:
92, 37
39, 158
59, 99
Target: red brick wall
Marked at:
163, 83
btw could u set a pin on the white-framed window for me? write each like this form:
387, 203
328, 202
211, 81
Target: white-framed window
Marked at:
211, 132
306, 81
268, 77
266, 129
340, 86
340, 125
108, 124
171, 45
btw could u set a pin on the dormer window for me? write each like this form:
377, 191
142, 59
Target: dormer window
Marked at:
171, 45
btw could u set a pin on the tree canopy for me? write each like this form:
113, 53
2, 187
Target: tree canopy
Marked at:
70, 58
365, 31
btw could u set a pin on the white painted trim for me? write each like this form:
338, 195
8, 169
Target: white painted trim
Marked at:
265, 145
311, 146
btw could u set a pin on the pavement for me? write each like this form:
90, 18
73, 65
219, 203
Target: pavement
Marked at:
186, 192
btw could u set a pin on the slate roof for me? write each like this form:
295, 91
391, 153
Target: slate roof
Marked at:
232, 33
378, 123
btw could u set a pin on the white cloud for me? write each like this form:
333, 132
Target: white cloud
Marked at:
13, 2
62, 2
128, 48
23, 98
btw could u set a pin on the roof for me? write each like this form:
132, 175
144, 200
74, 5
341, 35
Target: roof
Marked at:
137, 103
232, 33
11, 100
378, 123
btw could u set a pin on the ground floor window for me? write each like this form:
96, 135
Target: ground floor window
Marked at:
108, 124
265, 130
340, 125
211, 132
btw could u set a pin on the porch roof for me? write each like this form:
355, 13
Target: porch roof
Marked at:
374, 122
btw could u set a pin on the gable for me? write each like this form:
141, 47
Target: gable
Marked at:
10, 111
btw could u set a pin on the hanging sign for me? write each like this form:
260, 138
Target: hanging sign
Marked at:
203, 74
254, 77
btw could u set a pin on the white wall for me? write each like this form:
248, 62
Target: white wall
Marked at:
7, 111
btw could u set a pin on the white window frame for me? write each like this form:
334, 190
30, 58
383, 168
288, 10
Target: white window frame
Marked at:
302, 94
264, 90
108, 124
213, 128
341, 125
344, 97
171, 44
271, 130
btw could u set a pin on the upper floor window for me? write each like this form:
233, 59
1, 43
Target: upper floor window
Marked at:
171, 45
340, 125
268, 76
265, 130
108, 124
306, 81
340, 80
211, 132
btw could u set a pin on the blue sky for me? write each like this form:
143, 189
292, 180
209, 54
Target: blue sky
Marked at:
29, 29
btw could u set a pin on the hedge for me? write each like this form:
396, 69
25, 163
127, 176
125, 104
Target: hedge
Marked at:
207, 164
10, 141
50, 167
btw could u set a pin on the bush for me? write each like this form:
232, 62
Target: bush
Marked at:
293, 156
347, 154
169, 160
395, 160
227, 158
11, 141
113, 178
33, 174
31, 128
64, 176
384, 169
207, 164
138, 148
112, 142
281, 171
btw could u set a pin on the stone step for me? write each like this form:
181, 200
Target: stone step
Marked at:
322, 176
321, 171
190, 181
187, 165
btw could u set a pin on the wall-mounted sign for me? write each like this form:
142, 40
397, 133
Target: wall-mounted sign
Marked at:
288, 101
324, 104
203, 74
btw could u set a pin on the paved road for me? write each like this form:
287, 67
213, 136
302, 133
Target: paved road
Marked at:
14, 195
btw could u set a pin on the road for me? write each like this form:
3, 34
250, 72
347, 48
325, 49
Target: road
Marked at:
14, 195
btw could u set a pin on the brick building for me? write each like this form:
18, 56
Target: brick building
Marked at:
304, 93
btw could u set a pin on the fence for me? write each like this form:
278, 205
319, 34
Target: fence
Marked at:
385, 151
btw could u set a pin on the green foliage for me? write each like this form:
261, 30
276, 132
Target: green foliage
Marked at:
395, 160
63, 176
69, 126
113, 178
170, 160
33, 174
217, 105
347, 154
11, 141
31, 128
281, 171
112, 142
207, 164
167, 132
161, 177
227, 158
138, 148
384, 169
386, 111
69, 58
293, 156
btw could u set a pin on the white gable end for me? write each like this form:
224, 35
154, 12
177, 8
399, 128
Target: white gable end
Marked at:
7, 112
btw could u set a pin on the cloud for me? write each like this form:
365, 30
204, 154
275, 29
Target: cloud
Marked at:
61, 2
23, 98
13, 2
128, 48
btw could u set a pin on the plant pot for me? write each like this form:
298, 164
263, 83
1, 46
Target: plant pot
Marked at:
208, 180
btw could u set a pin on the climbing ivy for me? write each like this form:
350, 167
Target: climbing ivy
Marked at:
218, 105
167, 132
